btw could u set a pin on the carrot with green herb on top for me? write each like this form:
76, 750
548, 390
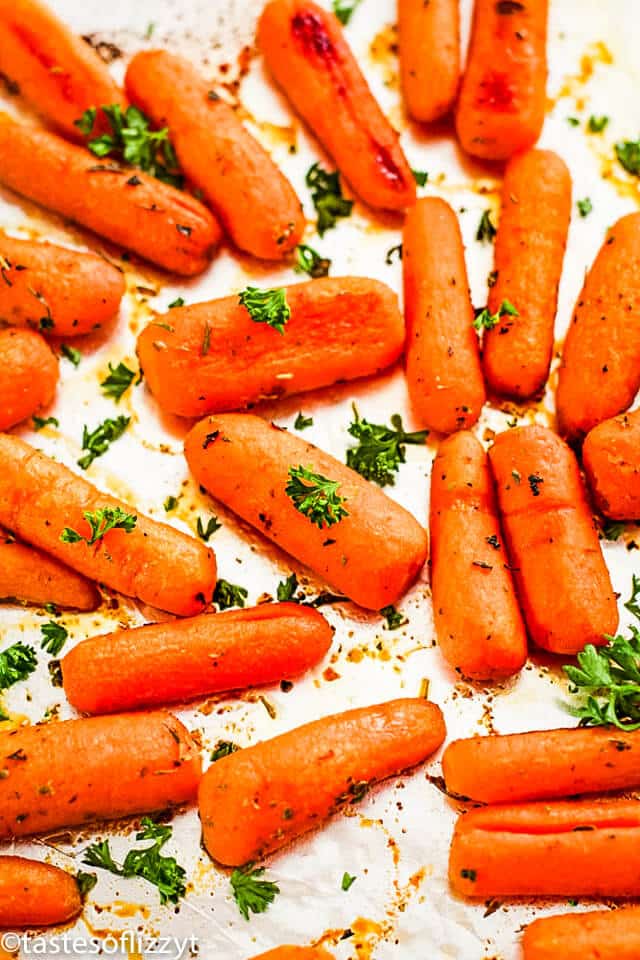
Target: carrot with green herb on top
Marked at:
561, 578
596, 935
29, 375
600, 370
529, 249
444, 374
31, 576
164, 225
306, 51
333, 330
480, 631
611, 459
47, 505
56, 290
34, 894
502, 99
296, 953
429, 36
257, 800
320, 511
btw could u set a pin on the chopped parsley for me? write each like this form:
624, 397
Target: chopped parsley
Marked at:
597, 124
315, 496
100, 522
170, 504
97, 441
393, 252
118, 381
585, 207
347, 881
486, 230
573, 121
286, 589
326, 194
54, 637
72, 355
250, 893
178, 302
628, 154
302, 422
40, 422
309, 261
420, 177
487, 321
393, 617
205, 533
86, 882
613, 530
228, 595
16, 663
223, 748
380, 449
266, 306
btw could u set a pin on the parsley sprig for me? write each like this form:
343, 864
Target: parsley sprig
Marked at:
54, 637
228, 594
315, 496
16, 663
326, 194
487, 321
267, 306
118, 381
96, 442
101, 521
250, 893
380, 449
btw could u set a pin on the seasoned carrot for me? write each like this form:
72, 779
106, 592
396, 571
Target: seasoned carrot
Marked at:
296, 953
29, 575
600, 369
218, 154
529, 249
503, 98
55, 70
429, 56
167, 662
159, 565
78, 771
443, 354
306, 51
596, 935
54, 289
34, 894
480, 630
259, 799
28, 375
372, 554
578, 848
561, 577
164, 225
210, 357
611, 458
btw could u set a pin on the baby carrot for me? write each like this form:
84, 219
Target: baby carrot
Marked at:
169, 662
55, 70
161, 566
164, 225
365, 545
596, 935
429, 56
296, 953
503, 98
31, 576
600, 370
443, 355
78, 771
611, 459
210, 357
576, 848
29, 375
480, 631
259, 799
50, 288
561, 577
306, 51
34, 894
529, 249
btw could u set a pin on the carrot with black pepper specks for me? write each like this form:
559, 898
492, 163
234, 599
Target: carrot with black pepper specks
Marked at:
28, 375
429, 36
34, 894
611, 459
596, 935
31, 576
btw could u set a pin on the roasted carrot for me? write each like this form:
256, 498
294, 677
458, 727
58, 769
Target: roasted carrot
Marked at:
596, 935
611, 459
54, 289
34, 894
154, 562
529, 249
29, 575
78, 771
429, 56
372, 554
306, 51
561, 577
168, 662
600, 369
210, 357
259, 799
480, 630
503, 98
164, 225
296, 953
28, 375
579, 848
443, 355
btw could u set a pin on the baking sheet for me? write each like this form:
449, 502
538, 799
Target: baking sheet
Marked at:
396, 842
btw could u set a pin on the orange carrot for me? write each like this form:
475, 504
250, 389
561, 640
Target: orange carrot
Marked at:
29, 575
296, 953
78, 771
309, 57
611, 458
480, 630
218, 154
561, 577
443, 355
503, 99
54, 289
168, 662
259, 799
210, 357
34, 894
159, 565
29, 375
529, 249
372, 554
600, 369
164, 225
429, 56
597, 935
579, 848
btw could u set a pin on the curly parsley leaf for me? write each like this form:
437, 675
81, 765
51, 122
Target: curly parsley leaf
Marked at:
315, 496
54, 637
286, 589
309, 261
97, 441
101, 521
252, 894
487, 321
205, 533
118, 381
228, 595
326, 194
393, 617
380, 449
16, 663
267, 306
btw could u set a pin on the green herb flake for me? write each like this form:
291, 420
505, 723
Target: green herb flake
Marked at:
326, 194
267, 306
71, 354
252, 894
597, 124
628, 154
584, 207
228, 595
86, 882
394, 618
347, 881
40, 422
118, 381
380, 449
309, 261
16, 663
223, 748
486, 230
101, 521
178, 302
286, 589
613, 530
205, 533
315, 497
54, 637
301, 422
420, 177
98, 441
487, 321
